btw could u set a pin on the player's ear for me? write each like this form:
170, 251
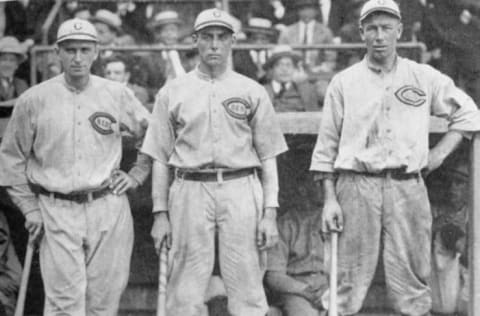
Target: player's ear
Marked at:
399, 30
234, 38
195, 38
361, 30
97, 51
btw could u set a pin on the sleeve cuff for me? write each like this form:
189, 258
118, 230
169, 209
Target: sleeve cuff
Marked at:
160, 204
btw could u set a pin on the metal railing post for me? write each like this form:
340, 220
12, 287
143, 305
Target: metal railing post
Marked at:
474, 228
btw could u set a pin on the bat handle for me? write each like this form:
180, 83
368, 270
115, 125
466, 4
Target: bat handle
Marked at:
332, 306
19, 308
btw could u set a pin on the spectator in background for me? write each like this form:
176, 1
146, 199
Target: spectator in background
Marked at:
12, 54
287, 95
296, 274
118, 68
250, 63
10, 270
167, 64
308, 31
453, 28
279, 12
109, 29
449, 258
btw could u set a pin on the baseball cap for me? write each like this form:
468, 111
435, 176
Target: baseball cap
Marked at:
388, 6
76, 29
213, 17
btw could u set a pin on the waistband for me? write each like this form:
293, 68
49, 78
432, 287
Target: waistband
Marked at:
395, 173
77, 197
214, 175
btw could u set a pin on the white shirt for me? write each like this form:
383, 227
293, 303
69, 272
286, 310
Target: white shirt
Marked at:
325, 6
310, 26
277, 86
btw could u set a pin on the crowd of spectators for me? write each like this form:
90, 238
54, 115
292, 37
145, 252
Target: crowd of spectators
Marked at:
296, 80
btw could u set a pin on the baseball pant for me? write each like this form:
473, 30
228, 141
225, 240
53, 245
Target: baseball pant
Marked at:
196, 209
398, 213
85, 254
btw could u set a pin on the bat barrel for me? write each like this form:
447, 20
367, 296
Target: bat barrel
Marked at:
332, 306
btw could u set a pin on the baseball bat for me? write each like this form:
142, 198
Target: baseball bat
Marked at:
22, 293
332, 305
162, 279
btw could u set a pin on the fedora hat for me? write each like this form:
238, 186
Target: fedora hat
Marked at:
109, 18
164, 17
10, 44
260, 25
281, 51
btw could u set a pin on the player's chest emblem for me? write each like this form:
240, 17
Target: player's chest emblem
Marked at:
238, 108
411, 95
102, 122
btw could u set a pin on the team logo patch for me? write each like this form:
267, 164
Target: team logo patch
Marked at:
411, 95
238, 108
102, 122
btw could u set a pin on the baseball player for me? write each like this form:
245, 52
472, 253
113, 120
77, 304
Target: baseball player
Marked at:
59, 159
372, 146
216, 131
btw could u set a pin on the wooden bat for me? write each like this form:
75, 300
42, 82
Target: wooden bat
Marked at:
162, 279
332, 304
22, 293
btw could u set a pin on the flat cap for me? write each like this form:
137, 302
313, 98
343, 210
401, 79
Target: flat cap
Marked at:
76, 29
213, 17
388, 6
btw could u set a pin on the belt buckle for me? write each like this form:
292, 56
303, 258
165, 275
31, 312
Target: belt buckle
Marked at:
179, 174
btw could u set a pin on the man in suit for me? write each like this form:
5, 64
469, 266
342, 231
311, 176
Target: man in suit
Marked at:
287, 95
453, 27
308, 31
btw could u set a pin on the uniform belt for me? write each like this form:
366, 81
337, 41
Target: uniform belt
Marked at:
78, 197
218, 175
395, 173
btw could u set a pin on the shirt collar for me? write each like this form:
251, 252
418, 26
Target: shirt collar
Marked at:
72, 88
277, 86
204, 76
379, 70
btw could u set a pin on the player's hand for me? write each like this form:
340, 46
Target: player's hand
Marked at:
308, 293
332, 217
161, 230
317, 301
121, 182
267, 232
34, 225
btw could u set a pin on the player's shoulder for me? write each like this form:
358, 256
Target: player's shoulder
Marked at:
103, 83
245, 81
42, 89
